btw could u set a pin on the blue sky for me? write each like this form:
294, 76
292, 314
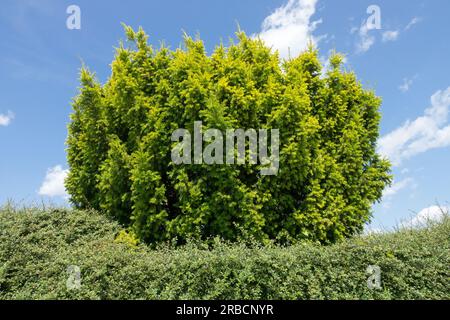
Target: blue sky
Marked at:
405, 61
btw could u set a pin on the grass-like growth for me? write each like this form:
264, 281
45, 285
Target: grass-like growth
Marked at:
37, 246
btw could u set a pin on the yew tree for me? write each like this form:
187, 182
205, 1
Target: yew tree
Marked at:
119, 143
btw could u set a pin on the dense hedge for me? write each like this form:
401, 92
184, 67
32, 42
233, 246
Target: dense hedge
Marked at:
36, 247
119, 143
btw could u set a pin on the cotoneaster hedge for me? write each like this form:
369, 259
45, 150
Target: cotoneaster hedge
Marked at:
36, 248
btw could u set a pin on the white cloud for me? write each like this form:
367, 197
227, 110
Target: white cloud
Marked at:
53, 185
413, 21
407, 83
430, 214
289, 28
366, 40
429, 131
390, 35
5, 119
397, 186
404, 171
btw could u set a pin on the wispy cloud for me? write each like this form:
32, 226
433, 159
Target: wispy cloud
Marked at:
5, 119
429, 131
366, 40
38, 69
413, 21
407, 83
289, 28
397, 186
17, 13
390, 35
368, 37
53, 185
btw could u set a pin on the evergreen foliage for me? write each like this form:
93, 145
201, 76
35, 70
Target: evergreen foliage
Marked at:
119, 143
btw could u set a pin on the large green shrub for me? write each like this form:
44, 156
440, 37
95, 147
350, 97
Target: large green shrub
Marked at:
119, 144
36, 248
